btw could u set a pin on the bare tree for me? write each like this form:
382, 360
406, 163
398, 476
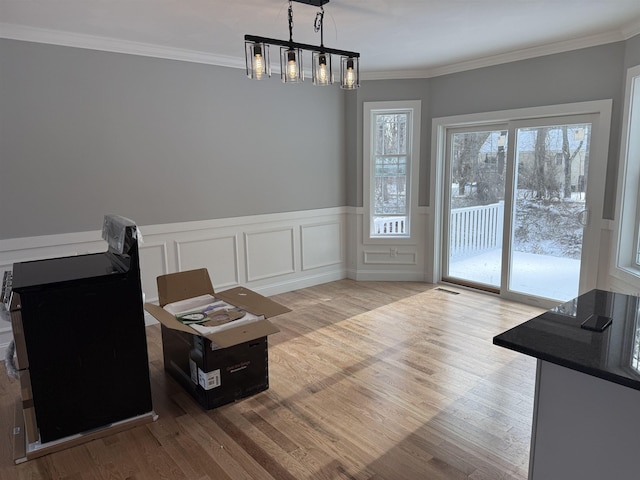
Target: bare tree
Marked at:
539, 160
468, 151
568, 159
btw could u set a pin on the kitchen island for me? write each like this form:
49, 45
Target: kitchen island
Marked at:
586, 416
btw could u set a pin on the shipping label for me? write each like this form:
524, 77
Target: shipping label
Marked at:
209, 380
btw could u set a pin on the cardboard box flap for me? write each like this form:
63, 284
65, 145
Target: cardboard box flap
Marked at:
167, 319
174, 287
252, 302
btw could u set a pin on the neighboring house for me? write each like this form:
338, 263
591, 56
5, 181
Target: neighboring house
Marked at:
490, 158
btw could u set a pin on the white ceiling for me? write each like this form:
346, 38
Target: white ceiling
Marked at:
396, 38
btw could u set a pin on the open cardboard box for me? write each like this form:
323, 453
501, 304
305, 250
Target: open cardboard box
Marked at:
221, 367
193, 283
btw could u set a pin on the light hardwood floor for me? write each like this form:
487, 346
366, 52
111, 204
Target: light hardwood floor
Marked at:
368, 380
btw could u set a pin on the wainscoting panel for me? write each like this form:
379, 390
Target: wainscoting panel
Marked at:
219, 255
263, 252
388, 258
391, 256
269, 253
321, 245
153, 263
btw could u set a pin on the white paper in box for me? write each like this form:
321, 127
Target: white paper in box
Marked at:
211, 303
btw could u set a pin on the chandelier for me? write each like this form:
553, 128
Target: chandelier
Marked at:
291, 69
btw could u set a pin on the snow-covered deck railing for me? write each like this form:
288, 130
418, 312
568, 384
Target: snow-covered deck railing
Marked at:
475, 229
389, 225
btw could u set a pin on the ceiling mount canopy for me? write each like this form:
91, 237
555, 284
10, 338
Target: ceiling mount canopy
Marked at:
315, 3
258, 63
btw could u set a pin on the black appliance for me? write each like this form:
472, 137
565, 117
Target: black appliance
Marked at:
84, 334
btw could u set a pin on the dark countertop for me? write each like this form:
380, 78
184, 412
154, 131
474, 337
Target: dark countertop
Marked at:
556, 336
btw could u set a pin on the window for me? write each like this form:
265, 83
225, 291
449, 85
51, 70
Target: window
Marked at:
627, 265
391, 153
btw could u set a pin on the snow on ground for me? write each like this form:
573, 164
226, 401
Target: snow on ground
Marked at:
541, 275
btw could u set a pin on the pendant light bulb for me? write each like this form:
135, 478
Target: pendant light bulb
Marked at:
323, 75
350, 73
321, 69
292, 65
258, 62
351, 76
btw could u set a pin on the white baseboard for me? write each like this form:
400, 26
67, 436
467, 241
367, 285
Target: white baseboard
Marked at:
387, 276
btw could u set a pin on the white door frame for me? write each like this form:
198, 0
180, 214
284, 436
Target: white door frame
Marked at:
595, 182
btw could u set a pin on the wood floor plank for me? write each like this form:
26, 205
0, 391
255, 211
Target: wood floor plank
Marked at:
368, 381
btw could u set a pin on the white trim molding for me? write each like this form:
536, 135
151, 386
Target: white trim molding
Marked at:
108, 44
278, 252
624, 272
599, 113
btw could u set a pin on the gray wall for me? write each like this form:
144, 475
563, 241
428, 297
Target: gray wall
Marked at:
581, 75
84, 133
588, 74
632, 52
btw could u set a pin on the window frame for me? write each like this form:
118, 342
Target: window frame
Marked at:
602, 109
625, 263
370, 109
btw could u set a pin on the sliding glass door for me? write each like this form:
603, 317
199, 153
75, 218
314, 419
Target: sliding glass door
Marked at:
549, 203
516, 206
476, 195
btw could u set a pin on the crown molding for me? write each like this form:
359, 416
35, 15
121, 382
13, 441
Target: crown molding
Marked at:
92, 42
514, 56
631, 30
68, 39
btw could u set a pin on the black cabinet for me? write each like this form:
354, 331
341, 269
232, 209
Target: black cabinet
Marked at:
83, 324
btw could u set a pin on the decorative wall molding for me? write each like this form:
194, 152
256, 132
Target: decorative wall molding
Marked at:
319, 244
107, 44
93, 42
391, 256
217, 253
155, 254
278, 252
387, 259
269, 253
514, 56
